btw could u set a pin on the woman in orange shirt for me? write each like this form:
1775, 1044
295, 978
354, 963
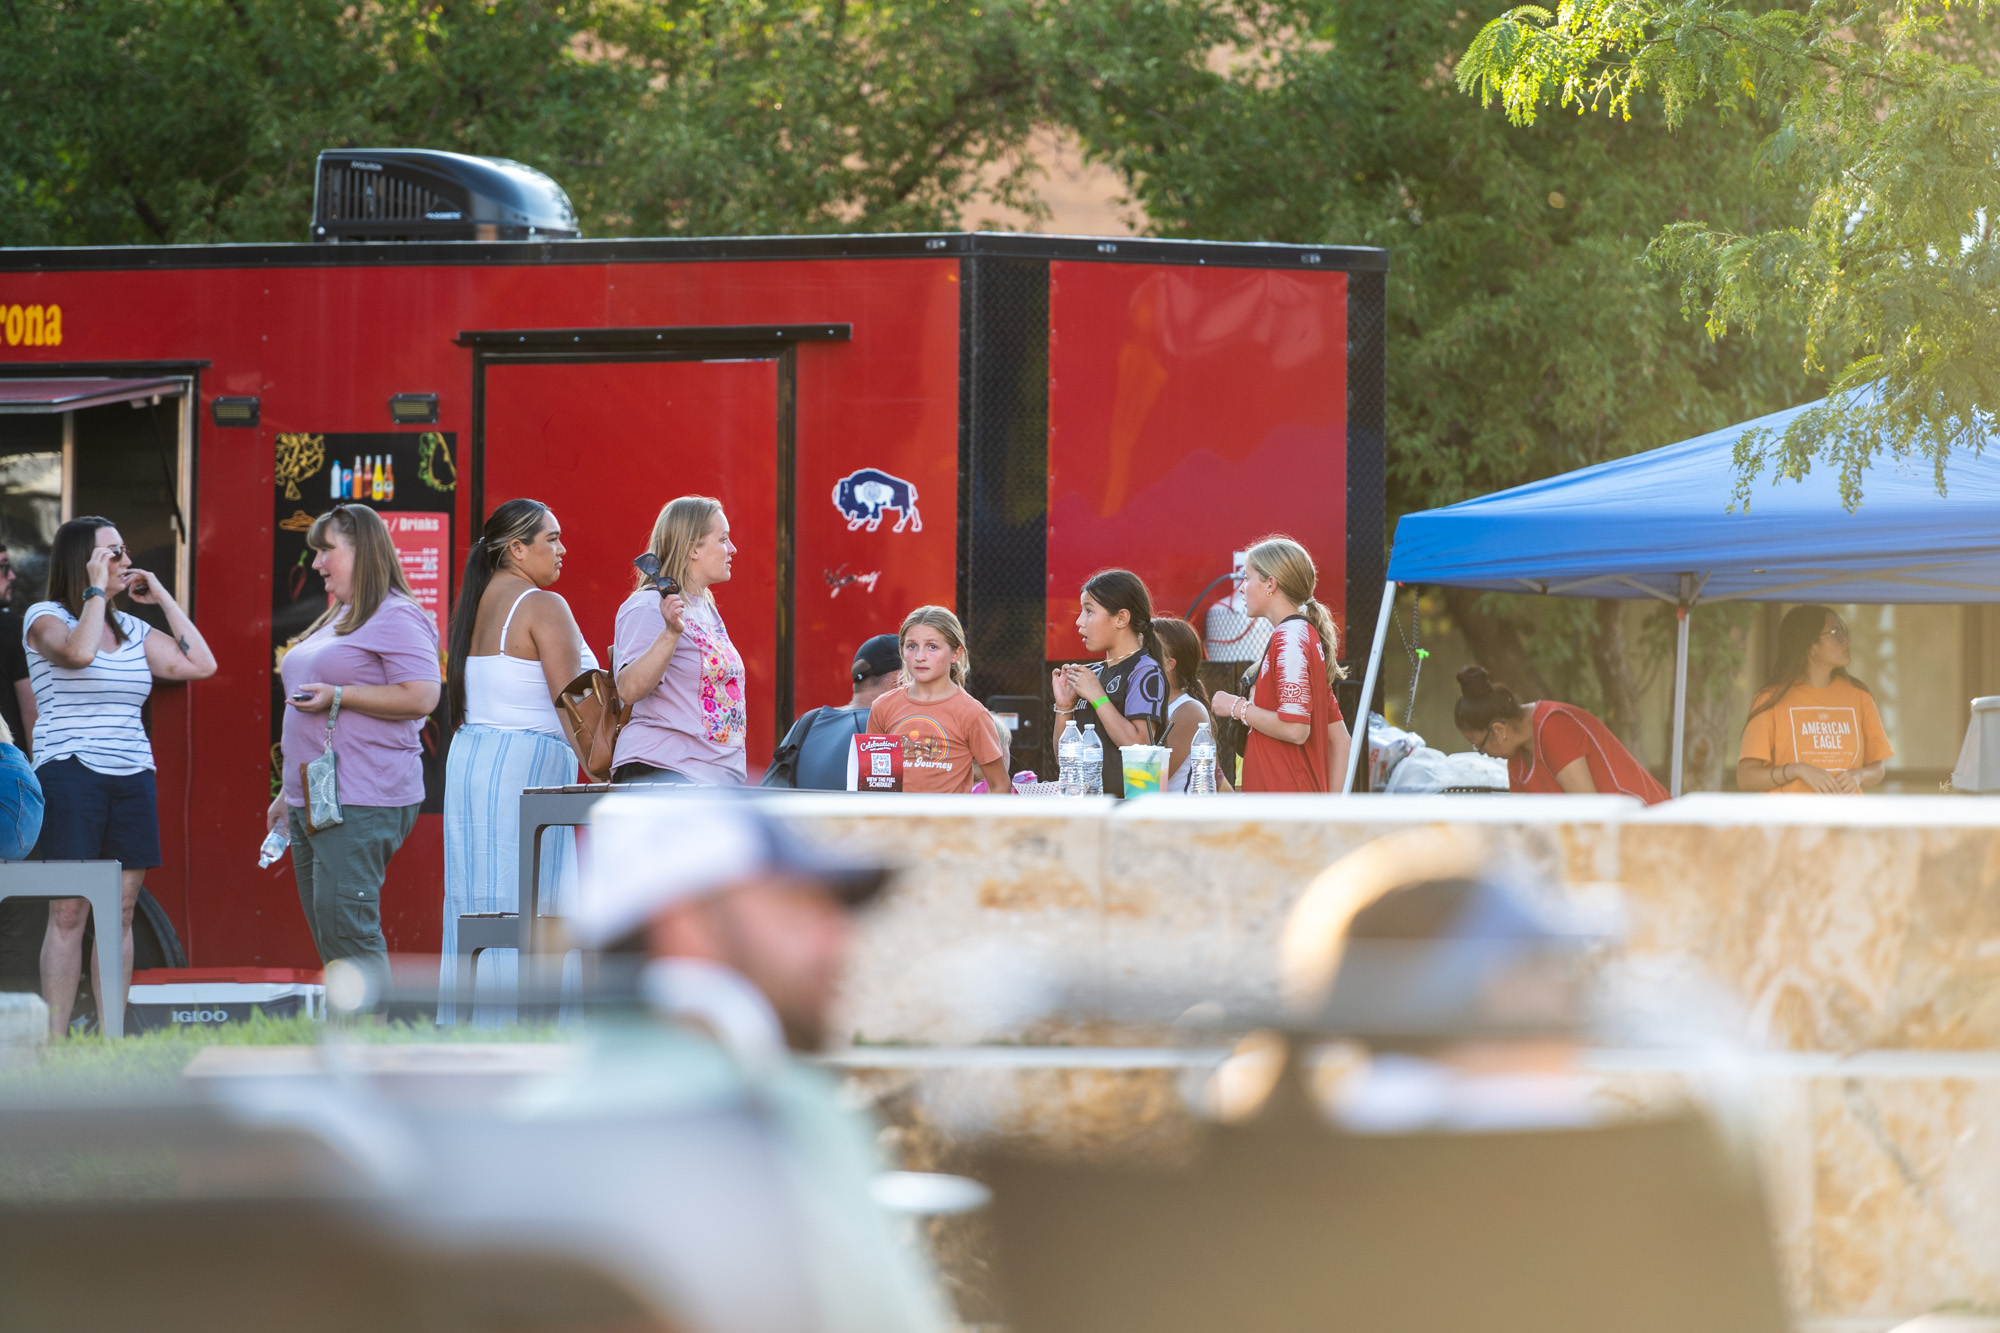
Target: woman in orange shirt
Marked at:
1813, 727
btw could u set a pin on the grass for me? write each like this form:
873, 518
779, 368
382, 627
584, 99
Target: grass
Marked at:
148, 1067
96, 1067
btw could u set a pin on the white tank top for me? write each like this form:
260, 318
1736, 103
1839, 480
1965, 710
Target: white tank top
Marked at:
511, 692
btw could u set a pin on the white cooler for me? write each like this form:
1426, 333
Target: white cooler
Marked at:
167, 997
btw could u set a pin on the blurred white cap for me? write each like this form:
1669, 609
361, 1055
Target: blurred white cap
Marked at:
650, 850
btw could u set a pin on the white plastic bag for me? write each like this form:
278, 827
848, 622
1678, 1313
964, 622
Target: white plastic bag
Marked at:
1428, 770
1387, 747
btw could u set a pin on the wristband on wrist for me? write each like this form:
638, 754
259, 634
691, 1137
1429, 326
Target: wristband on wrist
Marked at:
93, 591
1099, 701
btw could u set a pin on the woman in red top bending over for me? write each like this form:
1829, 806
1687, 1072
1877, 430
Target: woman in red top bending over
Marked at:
1298, 740
1549, 747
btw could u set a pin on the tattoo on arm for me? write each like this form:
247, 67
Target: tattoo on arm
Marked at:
182, 640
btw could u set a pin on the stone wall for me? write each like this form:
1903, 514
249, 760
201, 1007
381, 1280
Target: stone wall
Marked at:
1853, 946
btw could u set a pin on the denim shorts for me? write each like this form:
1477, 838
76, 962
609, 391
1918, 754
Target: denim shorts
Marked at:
92, 816
20, 805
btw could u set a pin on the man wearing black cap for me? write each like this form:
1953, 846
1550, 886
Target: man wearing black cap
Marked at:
813, 755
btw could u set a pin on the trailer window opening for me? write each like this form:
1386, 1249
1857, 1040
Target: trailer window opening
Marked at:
125, 459
31, 472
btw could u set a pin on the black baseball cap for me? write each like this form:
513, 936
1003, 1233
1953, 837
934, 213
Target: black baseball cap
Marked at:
877, 657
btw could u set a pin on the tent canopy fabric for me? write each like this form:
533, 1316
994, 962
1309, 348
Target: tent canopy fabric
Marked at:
1634, 527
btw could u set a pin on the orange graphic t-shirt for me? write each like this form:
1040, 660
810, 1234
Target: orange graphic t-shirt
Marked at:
941, 738
1832, 729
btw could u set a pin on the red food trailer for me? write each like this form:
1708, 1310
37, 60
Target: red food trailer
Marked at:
979, 420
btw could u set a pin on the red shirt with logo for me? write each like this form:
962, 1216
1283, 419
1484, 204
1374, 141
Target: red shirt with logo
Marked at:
1563, 734
1291, 682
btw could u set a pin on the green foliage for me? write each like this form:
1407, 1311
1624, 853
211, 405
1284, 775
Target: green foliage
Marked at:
1527, 335
135, 121
1883, 116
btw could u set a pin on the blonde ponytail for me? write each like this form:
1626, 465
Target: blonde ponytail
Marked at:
1291, 566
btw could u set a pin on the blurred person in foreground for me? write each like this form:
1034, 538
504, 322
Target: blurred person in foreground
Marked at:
745, 1186
1471, 996
813, 756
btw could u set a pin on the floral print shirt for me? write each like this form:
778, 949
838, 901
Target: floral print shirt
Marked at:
694, 723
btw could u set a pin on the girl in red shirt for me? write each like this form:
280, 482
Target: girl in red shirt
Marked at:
1549, 747
1297, 738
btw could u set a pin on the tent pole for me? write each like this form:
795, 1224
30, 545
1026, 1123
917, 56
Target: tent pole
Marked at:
1359, 743
1680, 688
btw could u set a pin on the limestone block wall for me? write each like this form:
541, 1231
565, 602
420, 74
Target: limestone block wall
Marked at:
1858, 939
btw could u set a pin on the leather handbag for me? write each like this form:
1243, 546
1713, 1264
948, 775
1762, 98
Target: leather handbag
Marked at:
593, 715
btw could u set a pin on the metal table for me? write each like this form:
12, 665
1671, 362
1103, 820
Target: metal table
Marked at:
96, 882
541, 808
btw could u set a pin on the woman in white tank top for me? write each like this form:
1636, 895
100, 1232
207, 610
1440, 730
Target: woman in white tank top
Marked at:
514, 645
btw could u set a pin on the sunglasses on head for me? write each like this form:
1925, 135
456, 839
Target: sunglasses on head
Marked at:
1839, 633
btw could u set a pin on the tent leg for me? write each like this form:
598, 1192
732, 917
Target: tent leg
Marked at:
1359, 747
1680, 699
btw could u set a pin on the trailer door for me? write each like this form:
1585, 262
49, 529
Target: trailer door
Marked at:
605, 444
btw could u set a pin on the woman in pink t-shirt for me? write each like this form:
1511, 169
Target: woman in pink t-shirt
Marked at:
369, 668
674, 662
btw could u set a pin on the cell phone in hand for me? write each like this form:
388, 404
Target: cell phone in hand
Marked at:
301, 696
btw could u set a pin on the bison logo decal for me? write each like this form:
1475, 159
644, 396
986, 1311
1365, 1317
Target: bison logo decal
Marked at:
863, 495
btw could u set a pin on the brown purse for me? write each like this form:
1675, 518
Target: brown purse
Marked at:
593, 715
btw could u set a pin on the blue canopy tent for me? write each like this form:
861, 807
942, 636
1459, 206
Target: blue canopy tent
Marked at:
1659, 525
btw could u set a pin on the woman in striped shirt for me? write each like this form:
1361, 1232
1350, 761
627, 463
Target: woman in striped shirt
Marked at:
92, 668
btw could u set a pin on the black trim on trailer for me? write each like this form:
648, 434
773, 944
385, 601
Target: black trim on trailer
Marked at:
1367, 483
729, 342
910, 245
1003, 473
55, 370
705, 338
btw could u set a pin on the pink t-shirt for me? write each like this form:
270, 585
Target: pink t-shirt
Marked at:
693, 723
378, 762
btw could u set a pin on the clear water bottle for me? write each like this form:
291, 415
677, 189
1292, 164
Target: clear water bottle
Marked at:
1201, 761
1069, 760
274, 846
1093, 762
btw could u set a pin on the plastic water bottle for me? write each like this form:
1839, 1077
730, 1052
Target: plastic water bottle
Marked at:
1201, 761
1069, 760
274, 846
1093, 762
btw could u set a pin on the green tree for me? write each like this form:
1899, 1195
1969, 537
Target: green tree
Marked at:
1527, 335
137, 121
1882, 117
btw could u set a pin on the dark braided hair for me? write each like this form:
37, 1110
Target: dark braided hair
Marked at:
515, 521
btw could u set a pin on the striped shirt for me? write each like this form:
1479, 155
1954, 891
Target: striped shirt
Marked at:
92, 714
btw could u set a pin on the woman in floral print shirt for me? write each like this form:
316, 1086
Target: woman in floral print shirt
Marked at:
674, 661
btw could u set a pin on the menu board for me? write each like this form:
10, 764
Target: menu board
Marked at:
423, 545
409, 479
